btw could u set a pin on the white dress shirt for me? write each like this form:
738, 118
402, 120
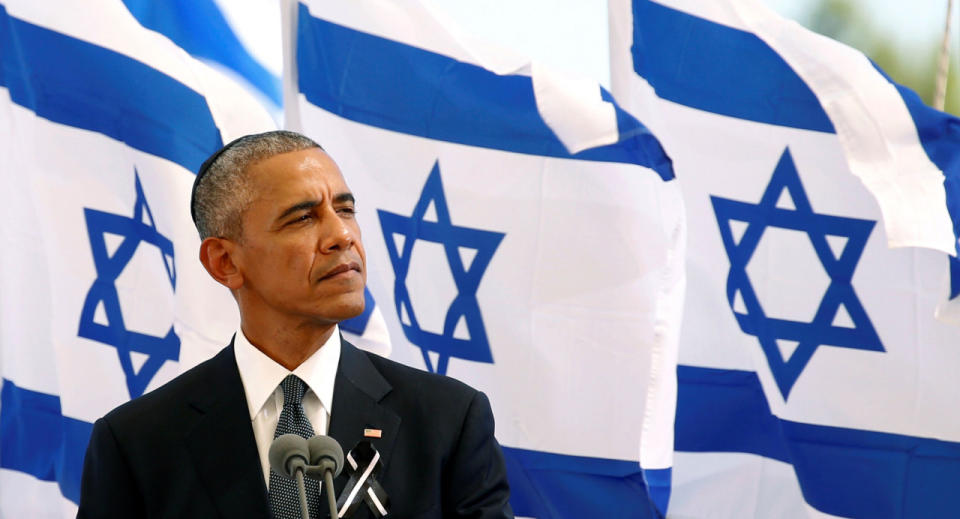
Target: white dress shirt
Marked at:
261, 377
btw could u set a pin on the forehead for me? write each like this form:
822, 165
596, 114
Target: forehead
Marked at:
309, 172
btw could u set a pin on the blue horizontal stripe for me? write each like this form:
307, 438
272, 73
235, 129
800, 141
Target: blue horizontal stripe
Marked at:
845, 472
398, 87
744, 423
72, 82
719, 69
199, 27
37, 439
546, 485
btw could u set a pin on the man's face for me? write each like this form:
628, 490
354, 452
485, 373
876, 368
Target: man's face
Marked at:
300, 253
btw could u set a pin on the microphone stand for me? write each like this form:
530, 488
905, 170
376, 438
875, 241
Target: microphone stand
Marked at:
304, 508
324, 468
331, 500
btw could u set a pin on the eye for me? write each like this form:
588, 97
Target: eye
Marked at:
301, 218
349, 210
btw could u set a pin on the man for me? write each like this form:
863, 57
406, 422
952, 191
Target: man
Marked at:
279, 230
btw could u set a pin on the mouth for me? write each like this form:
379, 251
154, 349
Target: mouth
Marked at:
342, 270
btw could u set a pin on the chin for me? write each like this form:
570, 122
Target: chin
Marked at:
347, 308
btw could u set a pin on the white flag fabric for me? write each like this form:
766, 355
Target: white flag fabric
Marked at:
102, 126
523, 234
814, 379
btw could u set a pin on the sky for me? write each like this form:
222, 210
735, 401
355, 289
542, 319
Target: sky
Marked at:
909, 24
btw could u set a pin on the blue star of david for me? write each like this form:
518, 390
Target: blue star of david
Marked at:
820, 331
103, 291
467, 279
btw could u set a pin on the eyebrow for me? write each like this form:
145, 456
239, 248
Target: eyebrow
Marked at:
302, 206
342, 198
339, 198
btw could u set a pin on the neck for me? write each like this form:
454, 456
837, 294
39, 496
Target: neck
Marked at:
288, 346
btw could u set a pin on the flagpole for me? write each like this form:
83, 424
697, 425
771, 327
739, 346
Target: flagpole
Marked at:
943, 67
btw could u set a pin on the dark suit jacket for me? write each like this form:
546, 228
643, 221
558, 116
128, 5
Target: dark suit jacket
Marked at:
187, 449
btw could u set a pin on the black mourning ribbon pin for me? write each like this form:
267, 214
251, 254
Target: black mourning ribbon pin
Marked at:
363, 466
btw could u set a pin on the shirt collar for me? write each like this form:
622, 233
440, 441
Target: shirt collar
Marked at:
261, 375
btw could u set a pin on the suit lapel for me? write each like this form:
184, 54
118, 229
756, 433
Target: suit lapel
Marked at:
222, 444
357, 393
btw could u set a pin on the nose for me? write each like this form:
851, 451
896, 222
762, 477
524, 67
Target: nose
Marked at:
335, 234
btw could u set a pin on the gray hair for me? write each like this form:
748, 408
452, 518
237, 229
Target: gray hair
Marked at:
221, 191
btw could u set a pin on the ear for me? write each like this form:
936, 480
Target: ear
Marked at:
216, 254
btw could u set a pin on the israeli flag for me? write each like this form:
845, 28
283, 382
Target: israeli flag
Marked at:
102, 126
523, 234
814, 378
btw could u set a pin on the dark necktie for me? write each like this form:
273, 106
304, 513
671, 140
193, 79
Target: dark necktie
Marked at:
284, 496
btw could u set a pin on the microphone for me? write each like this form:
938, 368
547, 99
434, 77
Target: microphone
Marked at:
288, 457
326, 460
325, 454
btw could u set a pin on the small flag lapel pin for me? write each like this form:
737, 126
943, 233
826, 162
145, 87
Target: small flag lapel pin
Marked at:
372, 433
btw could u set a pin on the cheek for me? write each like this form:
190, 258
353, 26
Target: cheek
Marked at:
299, 258
282, 260
358, 243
